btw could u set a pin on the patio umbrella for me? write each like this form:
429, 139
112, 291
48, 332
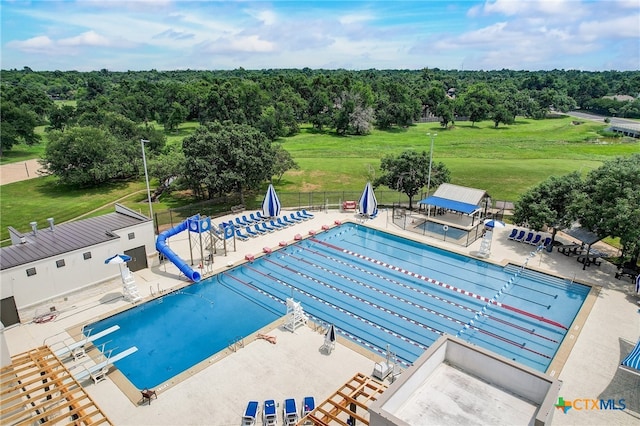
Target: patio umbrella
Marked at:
331, 334
368, 203
117, 259
492, 223
638, 284
271, 203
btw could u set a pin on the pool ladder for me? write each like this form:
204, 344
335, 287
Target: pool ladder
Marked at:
237, 343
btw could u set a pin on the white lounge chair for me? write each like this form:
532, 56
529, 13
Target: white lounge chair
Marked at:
250, 414
289, 412
269, 415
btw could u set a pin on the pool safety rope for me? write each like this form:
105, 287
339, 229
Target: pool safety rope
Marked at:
491, 301
405, 318
392, 281
324, 302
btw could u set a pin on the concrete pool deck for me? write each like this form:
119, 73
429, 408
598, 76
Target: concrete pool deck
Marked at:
294, 367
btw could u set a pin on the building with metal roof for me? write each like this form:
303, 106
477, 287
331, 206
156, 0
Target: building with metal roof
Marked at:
457, 198
46, 263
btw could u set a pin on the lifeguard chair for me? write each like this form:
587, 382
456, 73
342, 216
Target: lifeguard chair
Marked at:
295, 315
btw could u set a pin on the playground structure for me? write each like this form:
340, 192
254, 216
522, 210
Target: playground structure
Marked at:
205, 240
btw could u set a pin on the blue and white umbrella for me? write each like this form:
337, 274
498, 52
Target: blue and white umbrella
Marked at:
118, 259
638, 284
632, 361
368, 203
492, 223
271, 203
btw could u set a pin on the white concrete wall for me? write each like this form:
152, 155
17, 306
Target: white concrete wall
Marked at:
51, 282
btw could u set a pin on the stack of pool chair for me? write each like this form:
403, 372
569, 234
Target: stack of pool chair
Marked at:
269, 416
250, 414
289, 412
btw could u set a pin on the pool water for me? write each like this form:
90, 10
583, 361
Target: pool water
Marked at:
380, 290
438, 228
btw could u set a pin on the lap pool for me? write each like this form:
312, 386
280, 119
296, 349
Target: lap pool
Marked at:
380, 290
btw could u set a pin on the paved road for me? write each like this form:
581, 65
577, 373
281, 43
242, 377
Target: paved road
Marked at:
600, 119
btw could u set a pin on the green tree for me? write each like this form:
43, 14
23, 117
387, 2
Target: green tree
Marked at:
168, 168
172, 116
61, 117
445, 110
549, 203
283, 161
88, 156
501, 114
17, 125
477, 102
223, 158
409, 173
609, 204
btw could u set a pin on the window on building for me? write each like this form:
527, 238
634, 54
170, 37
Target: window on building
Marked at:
60, 263
132, 235
31, 272
86, 255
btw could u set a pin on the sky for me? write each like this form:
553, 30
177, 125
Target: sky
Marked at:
85, 35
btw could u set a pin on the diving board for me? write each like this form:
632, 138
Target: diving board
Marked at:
99, 371
77, 348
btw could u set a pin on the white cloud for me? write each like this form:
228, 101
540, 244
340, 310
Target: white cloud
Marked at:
90, 38
620, 27
353, 18
32, 45
239, 44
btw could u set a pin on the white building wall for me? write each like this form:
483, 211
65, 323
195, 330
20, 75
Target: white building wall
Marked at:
51, 281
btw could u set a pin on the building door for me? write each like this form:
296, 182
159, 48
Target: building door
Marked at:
138, 258
8, 312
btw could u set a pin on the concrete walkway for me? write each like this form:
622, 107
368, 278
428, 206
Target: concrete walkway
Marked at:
294, 367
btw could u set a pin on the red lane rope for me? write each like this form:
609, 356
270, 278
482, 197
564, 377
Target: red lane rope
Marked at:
450, 302
443, 285
403, 317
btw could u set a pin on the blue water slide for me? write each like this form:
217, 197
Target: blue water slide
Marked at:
193, 223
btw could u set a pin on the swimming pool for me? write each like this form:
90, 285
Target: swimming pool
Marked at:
379, 289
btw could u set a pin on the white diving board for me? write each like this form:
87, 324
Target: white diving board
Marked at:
99, 371
74, 347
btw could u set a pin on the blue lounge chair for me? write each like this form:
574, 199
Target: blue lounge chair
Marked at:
247, 220
259, 216
299, 215
546, 242
282, 222
288, 220
276, 225
250, 232
536, 240
513, 233
293, 217
255, 217
259, 230
250, 414
308, 405
529, 238
241, 236
269, 416
266, 227
289, 412
307, 214
520, 236
240, 223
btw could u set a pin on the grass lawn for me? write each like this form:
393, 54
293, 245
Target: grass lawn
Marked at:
505, 161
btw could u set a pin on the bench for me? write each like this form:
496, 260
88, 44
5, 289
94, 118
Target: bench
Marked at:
588, 259
626, 272
349, 205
